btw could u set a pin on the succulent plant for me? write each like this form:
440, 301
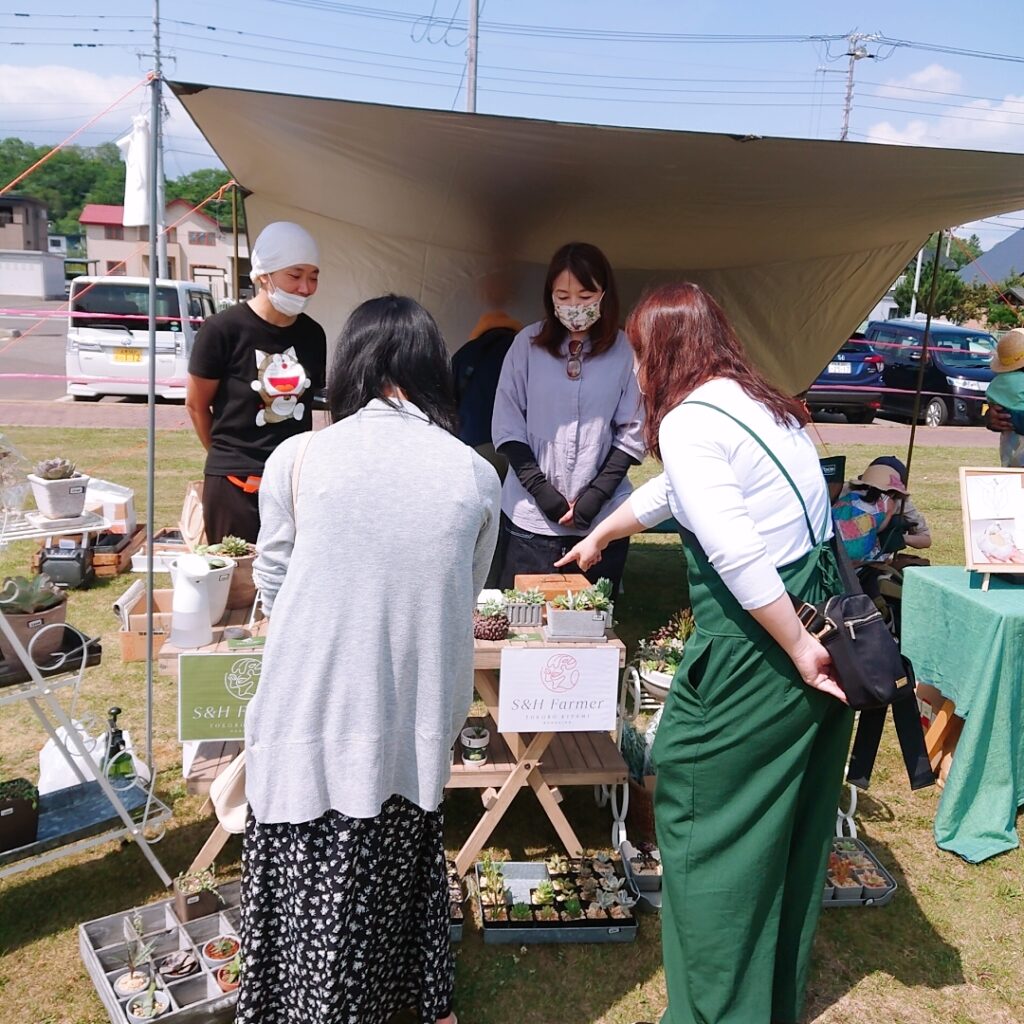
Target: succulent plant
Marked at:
25, 596
191, 882
521, 912
233, 547
543, 895
19, 789
532, 596
490, 622
596, 598
55, 469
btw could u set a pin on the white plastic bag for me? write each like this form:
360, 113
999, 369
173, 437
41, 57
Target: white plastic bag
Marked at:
55, 772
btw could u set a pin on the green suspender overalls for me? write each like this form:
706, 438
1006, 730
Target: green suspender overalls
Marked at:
749, 763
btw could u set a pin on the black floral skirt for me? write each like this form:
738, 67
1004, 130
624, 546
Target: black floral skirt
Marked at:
345, 920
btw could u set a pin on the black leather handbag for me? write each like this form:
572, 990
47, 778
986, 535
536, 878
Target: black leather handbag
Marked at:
849, 625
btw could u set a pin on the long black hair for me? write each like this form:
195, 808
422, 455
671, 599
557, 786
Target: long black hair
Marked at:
392, 342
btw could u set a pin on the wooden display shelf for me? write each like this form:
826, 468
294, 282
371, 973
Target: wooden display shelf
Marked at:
487, 653
106, 561
167, 661
571, 759
211, 760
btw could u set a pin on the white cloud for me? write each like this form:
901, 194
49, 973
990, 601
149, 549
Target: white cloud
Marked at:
995, 124
48, 102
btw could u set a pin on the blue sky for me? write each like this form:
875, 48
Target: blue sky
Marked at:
606, 62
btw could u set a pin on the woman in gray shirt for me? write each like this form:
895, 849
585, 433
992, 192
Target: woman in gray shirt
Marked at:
568, 417
369, 564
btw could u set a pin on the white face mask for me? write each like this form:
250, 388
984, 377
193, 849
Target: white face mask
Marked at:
578, 318
286, 303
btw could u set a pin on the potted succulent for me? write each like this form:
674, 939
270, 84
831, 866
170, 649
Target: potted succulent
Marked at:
151, 1004
572, 910
585, 614
31, 606
543, 895
659, 655
195, 894
557, 865
842, 878
229, 975
521, 913
59, 489
874, 884
137, 955
619, 906
492, 881
496, 915
524, 607
19, 814
182, 963
596, 912
645, 864
242, 592
218, 951
490, 621
603, 865
475, 740
547, 913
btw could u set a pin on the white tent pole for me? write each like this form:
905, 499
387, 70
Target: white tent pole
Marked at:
154, 221
917, 283
472, 40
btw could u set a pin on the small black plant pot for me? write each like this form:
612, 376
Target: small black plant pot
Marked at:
19, 823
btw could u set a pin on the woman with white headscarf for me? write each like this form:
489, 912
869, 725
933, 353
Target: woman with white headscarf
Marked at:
252, 375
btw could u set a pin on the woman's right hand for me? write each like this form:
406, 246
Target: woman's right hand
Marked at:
587, 553
815, 666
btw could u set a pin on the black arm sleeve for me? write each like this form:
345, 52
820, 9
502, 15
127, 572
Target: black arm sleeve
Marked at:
522, 460
601, 488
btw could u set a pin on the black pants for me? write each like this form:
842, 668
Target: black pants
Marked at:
229, 511
525, 552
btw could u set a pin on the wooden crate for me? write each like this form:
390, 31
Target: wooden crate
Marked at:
107, 561
552, 584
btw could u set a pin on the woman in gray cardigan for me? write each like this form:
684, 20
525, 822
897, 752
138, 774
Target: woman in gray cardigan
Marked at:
370, 579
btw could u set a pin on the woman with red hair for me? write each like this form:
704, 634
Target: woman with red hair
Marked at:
754, 735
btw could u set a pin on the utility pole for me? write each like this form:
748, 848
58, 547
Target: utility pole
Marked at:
855, 51
472, 39
156, 128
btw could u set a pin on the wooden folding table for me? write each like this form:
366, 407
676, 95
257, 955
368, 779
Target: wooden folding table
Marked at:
541, 761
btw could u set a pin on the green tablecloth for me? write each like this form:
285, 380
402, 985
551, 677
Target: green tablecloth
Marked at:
970, 646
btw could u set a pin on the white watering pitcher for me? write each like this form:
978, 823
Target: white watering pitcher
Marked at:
190, 605
217, 583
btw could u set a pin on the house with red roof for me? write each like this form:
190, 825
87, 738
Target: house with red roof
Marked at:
197, 249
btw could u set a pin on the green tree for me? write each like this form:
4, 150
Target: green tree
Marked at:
949, 290
197, 185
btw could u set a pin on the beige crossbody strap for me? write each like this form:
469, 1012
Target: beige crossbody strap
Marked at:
300, 454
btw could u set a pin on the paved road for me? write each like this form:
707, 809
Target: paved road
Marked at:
29, 402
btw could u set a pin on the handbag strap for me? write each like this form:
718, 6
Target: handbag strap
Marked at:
782, 469
300, 454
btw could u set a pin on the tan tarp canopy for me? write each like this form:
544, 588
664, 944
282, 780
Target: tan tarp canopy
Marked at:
798, 239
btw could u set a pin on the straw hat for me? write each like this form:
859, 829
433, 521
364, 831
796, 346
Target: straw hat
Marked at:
885, 478
1009, 354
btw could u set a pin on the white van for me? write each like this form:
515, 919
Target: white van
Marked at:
107, 351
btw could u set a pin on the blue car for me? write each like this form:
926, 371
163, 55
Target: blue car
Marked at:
851, 383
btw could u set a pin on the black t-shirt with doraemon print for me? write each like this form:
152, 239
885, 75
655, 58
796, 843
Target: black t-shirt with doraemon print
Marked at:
268, 376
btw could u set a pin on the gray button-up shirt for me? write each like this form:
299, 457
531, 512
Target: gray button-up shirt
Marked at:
570, 425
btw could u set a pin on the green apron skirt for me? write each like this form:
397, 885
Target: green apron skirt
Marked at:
749, 764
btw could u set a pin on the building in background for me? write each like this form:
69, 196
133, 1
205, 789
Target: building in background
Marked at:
197, 249
27, 268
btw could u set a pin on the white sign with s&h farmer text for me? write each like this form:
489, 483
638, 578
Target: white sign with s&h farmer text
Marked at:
568, 689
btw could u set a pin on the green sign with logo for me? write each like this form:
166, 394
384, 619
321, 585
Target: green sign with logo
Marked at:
213, 692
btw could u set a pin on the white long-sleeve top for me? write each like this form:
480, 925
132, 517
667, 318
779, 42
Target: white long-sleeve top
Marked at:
723, 487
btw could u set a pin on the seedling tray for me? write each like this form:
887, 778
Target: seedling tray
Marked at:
520, 878
864, 897
196, 999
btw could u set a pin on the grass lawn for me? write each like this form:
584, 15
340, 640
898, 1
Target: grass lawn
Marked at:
948, 949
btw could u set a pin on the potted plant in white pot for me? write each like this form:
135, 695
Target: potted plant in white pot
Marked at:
524, 607
59, 489
151, 1004
475, 740
585, 614
31, 605
137, 957
659, 655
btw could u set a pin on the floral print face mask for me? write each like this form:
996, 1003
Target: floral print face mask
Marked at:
579, 318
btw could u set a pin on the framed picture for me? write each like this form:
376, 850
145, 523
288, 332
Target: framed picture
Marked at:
992, 501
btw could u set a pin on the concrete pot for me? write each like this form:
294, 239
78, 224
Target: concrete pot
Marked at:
59, 499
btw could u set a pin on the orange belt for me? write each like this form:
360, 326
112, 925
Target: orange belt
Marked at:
250, 484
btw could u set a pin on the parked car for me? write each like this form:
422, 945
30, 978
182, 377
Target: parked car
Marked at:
107, 348
850, 384
957, 370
